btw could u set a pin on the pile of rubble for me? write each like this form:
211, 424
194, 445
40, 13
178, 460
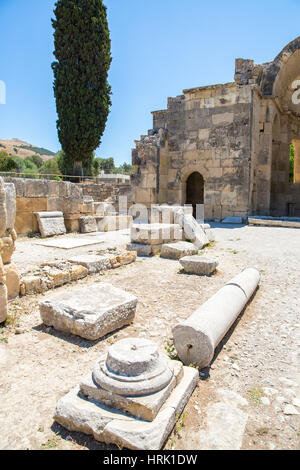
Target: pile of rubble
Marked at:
50, 275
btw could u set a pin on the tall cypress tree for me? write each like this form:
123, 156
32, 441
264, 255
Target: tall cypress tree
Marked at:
81, 88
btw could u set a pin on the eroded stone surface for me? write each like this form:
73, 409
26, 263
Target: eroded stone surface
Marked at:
198, 265
51, 223
178, 250
225, 427
93, 263
89, 312
88, 224
141, 250
192, 230
12, 280
10, 205
117, 427
155, 234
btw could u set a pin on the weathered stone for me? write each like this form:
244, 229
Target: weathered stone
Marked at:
10, 205
12, 280
93, 263
101, 413
178, 250
3, 303
166, 214
155, 234
88, 224
58, 277
199, 265
51, 223
274, 222
225, 427
156, 249
150, 378
70, 243
110, 223
196, 338
32, 285
90, 312
140, 249
290, 410
125, 258
192, 230
78, 272
3, 214
7, 248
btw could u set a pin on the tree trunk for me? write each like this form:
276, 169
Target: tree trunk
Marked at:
77, 171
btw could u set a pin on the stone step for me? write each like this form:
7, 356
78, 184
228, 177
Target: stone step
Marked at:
90, 312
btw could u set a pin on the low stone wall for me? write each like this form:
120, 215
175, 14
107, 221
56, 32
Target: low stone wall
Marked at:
43, 196
100, 191
9, 277
56, 274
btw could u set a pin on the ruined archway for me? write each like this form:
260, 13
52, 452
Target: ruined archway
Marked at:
281, 81
195, 190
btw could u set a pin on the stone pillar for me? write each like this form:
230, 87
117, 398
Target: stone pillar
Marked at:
132, 398
197, 337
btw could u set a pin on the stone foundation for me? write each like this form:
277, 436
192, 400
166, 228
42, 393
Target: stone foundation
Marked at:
133, 397
9, 277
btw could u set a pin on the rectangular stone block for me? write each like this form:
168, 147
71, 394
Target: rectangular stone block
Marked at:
140, 249
51, 223
111, 223
113, 426
88, 224
94, 263
155, 234
10, 205
90, 312
144, 407
192, 230
31, 204
178, 250
12, 280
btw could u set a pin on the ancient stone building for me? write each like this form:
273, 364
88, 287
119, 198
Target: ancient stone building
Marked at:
228, 146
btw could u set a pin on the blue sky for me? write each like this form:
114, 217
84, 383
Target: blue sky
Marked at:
159, 48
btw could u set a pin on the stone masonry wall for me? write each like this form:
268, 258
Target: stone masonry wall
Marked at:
44, 195
9, 277
99, 192
205, 130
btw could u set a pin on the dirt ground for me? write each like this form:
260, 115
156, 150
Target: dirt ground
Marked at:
258, 359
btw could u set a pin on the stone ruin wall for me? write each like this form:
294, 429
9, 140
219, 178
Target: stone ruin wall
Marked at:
74, 200
99, 192
237, 136
205, 130
9, 277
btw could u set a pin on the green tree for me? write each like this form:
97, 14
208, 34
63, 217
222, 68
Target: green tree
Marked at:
20, 166
7, 163
37, 160
28, 163
126, 169
51, 167
81, 88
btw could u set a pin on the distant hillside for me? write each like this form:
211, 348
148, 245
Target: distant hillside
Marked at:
23, 149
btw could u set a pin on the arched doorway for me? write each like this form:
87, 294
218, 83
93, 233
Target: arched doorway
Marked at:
195, 190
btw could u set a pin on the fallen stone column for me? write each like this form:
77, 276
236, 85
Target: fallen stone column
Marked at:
196, 338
